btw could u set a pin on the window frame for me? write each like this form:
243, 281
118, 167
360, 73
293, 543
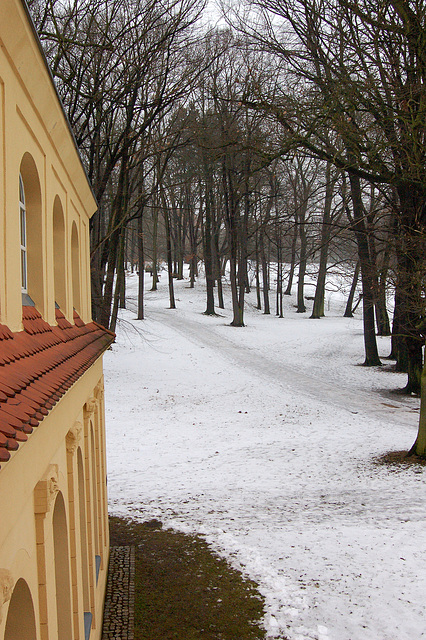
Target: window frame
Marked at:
23, 236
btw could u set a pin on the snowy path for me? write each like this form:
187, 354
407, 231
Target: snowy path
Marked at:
274, 370
235, 434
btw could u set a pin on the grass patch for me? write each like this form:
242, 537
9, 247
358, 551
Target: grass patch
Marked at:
183, 590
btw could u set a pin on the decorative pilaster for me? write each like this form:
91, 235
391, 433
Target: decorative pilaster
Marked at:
90, 407
46, 490
45, 493
73, 438
6, 588
99, 390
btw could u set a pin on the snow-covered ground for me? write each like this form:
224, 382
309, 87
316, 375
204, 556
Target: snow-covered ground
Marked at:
263, 440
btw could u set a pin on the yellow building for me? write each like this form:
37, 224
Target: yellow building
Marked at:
53, 510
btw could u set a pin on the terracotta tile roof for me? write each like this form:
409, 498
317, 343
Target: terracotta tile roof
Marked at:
38, 366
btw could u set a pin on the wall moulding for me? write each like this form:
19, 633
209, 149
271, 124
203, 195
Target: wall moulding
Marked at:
46, 490
90, 406
73, 437
99, 389
6, 588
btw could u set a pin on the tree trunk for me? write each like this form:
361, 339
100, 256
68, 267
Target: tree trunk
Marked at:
382, 316
318, 307
410, 254
419, 447
96, 271
121, 273
112, 249
238, 319
231, 222
279, 311
216, 254
265, 276
192, 230
141, 262
368, 272
287, 292
350, 302
398, 350
155, 247
218, 270
119, 282
169, 252
208, 258
301, 308
257, 275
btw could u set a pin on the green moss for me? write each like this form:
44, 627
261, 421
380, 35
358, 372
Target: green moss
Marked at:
184, 591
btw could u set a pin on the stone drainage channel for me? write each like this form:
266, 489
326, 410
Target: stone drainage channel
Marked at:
120, 595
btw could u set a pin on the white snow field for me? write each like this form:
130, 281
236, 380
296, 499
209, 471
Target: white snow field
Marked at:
263, 439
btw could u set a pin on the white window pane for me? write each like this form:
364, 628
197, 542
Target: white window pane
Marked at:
23, 228
21, 190
24, 269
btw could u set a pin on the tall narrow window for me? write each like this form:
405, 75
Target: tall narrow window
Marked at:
59, 254
75, 266
32, 236
23, 223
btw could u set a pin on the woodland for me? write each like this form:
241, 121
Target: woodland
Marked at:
293, 134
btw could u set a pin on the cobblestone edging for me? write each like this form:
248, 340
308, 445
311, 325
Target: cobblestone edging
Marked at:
120, 595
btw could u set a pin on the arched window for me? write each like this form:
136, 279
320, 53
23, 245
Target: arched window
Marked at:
20, 623
83, 531
94, 495
23, 223
30, 213
75, 264
62, 570
59, 254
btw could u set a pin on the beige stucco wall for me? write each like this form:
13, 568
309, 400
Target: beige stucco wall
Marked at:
30, 482
40, 506
32, 121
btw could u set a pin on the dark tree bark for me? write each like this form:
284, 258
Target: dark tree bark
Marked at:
208, 255
318, 307
382, 316
301, 308
410, 251
141, 262
265, 274
257, 273
287, 292
216, 250
350, 301
368, 272
169, 251
154, 264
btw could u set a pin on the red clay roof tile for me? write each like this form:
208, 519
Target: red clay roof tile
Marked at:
6, 389
5, 332
17, 411
37, 366
13, 443
6, 429
7, 418
4, 455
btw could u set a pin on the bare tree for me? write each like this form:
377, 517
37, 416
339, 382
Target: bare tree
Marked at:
120, 67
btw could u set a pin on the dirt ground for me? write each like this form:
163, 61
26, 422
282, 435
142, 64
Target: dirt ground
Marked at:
183, 590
